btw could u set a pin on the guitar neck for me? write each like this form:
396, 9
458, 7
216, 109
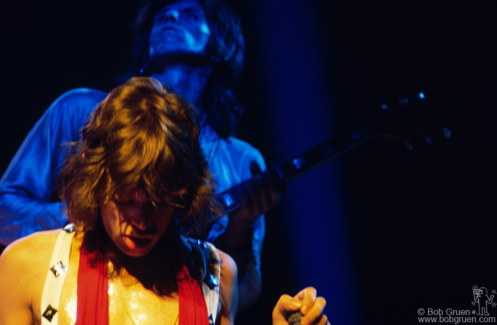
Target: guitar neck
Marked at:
298, 165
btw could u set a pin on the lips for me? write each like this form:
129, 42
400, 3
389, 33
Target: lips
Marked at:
138, 242
171, 31
138, 239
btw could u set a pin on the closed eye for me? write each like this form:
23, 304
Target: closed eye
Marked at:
124, 203
191, 17
160, 19
167, 204
191, 14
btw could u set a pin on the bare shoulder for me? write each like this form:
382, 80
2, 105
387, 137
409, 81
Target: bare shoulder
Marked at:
228, 265
229, 288
30, 250
28, 256
23, 269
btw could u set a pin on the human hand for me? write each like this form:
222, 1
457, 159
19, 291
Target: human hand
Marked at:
261, 194
307, 302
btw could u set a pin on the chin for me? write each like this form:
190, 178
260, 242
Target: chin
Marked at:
136, 254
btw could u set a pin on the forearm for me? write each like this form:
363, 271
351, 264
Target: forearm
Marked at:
29, 182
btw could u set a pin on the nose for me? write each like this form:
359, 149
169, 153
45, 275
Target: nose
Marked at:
141, 218
172, 15
141, 223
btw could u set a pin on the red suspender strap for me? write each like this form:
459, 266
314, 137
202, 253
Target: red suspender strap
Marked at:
192, 307
93, 297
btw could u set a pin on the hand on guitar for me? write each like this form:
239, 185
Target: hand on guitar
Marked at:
306, 302
259, 194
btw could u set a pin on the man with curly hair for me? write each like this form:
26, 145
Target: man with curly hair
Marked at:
195, 48
134, 180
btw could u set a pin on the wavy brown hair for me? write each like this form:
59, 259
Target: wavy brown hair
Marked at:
140, 137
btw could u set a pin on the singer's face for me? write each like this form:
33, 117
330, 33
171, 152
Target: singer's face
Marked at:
134, 223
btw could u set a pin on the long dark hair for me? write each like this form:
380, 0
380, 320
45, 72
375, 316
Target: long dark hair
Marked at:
225, 53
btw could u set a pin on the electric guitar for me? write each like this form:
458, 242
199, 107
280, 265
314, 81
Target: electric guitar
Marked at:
404, 122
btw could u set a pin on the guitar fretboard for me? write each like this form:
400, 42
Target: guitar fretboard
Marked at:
292, 168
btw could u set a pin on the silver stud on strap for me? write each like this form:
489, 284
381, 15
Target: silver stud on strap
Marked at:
211, 281
58, 268
70, 228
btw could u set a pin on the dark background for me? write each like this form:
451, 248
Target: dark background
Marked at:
418, 228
